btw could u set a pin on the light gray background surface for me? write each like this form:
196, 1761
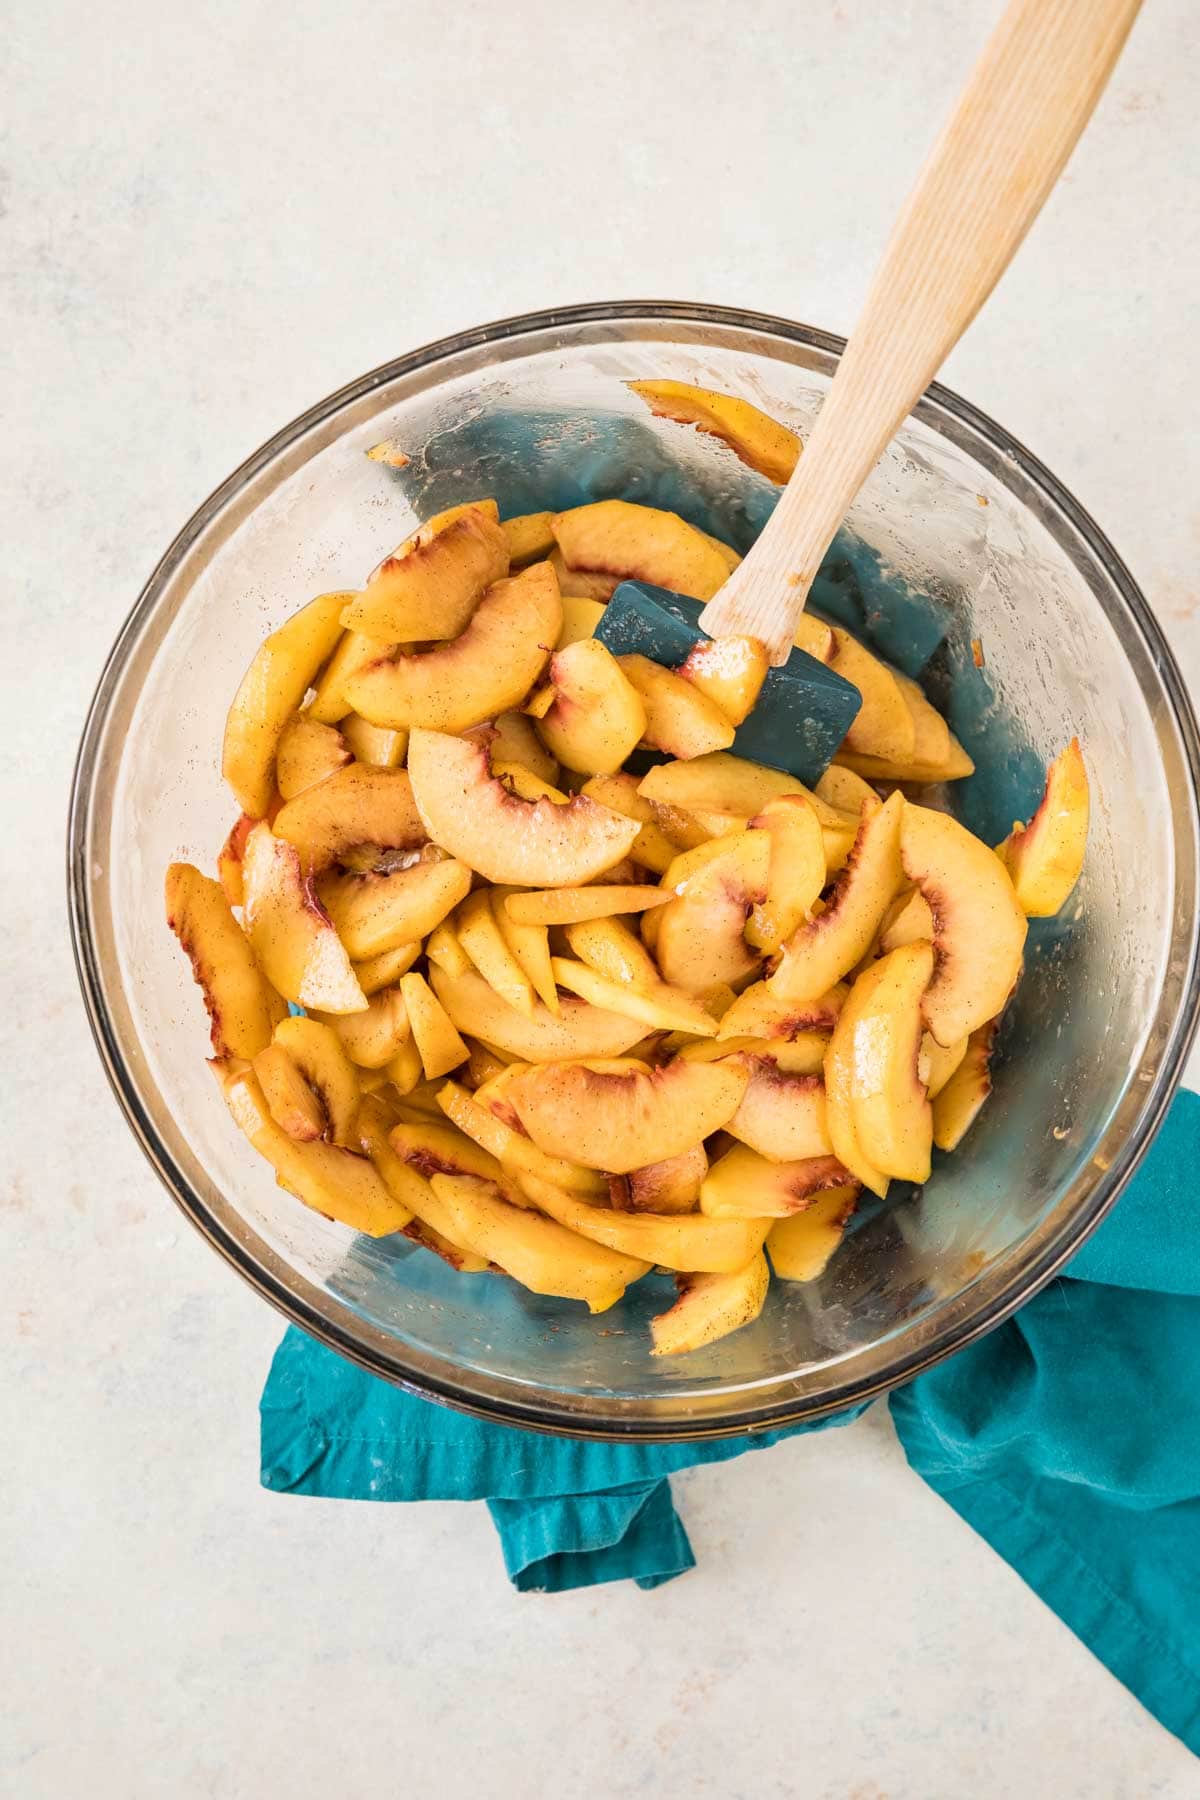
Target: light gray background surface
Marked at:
213, 215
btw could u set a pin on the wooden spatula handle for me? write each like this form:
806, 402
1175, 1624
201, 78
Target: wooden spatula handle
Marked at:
1027, 102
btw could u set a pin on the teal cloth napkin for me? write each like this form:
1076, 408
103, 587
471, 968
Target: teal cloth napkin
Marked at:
1069, 1438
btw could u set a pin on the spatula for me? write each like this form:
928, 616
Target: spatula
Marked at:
1025, 105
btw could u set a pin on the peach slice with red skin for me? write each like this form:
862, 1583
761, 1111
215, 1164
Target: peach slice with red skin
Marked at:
820, 952
756, 439
801, 1054
701, 942
721, 792
487, 669
710, 1307
800, 1247
763, 1012
781, 1116
582, 584
537, 1252
243, 1009
619, 1118
597, 716
340, 1183
577, 1029
512, 738
229, 859
290, 933
978, 925
520, 843
431, 588
620, 539
325, 1073
957, 1106
671, 1185
516, 1153
354, 807
432, 1147
879, 1036
688, 1242
1045, 857
374, 913
271, 690
742, 1184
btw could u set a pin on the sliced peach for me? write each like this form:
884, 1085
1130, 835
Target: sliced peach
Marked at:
229, 859
1045, 857
433, 1031
512, 738
820, 952
978, 925
306, 753
384, 970
803, 1054
781, 1116
661, 1007
839, 1110
910, 922
405, 1070
724, 789
759, 441
487, 669
597, 717
742, 1184
377, 745
932, 739
376, 913
567, 905
612, 950
292, 1104
619, 538
432, 1147
730, 671
680, 719
355, 651
800, 1247
242, 1008
650, 849
481, 938
355, 806
936, 1065
529, 945
581, 584
688, 1242
580, 619
270, 692
513, 1150
404, 1184
577, 1029
542, 1255
796, 873
883, 725
957, 1106
481, 1066
526, 785
879, 1034
886, 770
371, 1039
669, 1186
701, 940
340, 1183
816, 638
844, 789
441, 521
529, 537
291, 934
319, 1057
763, 1012
618, 1119
710, 1307
518, 842
432, 588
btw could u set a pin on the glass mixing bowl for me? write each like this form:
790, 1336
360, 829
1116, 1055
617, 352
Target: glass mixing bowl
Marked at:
960, 545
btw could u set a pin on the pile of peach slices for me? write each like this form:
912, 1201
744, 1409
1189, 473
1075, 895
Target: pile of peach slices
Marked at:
550, 1017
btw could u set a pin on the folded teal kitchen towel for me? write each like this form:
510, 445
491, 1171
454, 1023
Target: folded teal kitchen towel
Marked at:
1069, 1438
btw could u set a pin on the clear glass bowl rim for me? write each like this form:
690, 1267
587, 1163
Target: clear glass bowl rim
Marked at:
995, 1301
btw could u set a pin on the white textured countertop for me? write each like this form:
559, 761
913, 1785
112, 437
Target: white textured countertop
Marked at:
215, 215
